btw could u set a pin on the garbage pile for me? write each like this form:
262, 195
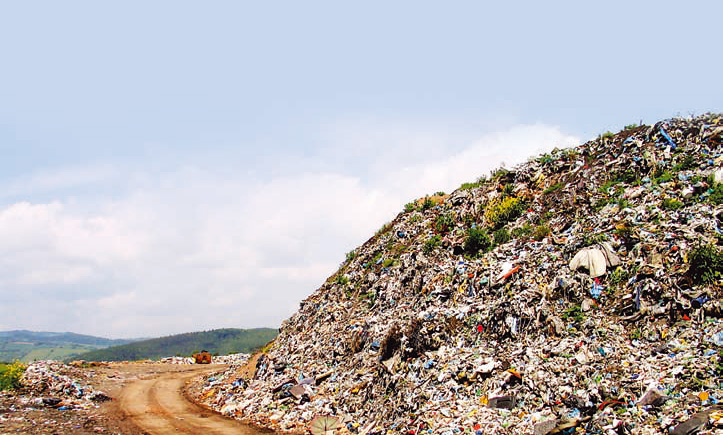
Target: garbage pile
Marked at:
52, 384
177, 360
234, 359
579, 292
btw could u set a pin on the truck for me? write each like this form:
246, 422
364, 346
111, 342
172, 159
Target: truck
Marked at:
202, 357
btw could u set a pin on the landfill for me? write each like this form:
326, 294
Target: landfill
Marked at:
55, 384
577, 293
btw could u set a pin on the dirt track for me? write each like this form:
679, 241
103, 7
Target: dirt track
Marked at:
158, 405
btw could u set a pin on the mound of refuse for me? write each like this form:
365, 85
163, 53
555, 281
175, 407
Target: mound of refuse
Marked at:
579, 292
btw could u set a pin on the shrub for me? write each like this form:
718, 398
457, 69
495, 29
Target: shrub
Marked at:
522, 231
477, 240
541, 231
716, 197
502, 211
445, 222
10, 375
706, 264
350, 256
427, 203
410, 207
501, 236
431, 244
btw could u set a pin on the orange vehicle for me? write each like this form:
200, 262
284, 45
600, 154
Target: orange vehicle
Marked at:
202, 357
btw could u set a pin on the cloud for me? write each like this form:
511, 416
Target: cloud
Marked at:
191, 249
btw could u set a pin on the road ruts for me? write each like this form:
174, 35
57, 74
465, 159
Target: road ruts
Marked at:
159, 407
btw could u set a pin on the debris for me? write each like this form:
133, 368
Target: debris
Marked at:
576, 311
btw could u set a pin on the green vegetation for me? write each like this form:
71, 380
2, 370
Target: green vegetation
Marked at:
350, 256
716, 197
706, 264
501, 236
431, 244
341, 279
663, 177
573, 313
26, 346
10, 375
593, 239
553, 188
500, 211
607, 135
631, 127
686, 163
541, 231
476, 241
217, 341
445, 222
523, 231
480, 181
671, 204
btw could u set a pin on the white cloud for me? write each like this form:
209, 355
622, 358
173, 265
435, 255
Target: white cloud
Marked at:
192, 250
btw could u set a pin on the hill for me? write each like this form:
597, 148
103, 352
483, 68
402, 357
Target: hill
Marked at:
27, 346
578, 292
217, 341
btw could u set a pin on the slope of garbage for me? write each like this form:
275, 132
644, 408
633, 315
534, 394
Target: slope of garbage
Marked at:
579, 292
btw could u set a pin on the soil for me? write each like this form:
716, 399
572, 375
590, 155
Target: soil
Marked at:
146, 398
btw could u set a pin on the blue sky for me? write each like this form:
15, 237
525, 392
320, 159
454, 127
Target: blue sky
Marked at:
166, 160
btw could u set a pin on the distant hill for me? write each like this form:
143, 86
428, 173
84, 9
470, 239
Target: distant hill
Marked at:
217, 341
27, 346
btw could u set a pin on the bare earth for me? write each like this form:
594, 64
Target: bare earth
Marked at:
147, 399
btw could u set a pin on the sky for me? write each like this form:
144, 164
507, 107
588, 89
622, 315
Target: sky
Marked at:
175, 166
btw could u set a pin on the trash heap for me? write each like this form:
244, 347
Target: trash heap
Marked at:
57, 385
579, 292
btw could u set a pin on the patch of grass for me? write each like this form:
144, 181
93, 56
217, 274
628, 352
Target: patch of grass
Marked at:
10, 375
445, 222
342, 279
664, 177
501, 236
427, 203
706, 264
350, 256
607, 135
440, 193
593, 239
523, 231
573, 313
631, 127
498, 173
553, 188
384, 229
540, 232
716, 197
671, 204
627, 176
618, 277
687, 162
476, 241
431, 244
410, 207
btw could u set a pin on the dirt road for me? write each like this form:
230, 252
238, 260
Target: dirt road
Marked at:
157, 404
